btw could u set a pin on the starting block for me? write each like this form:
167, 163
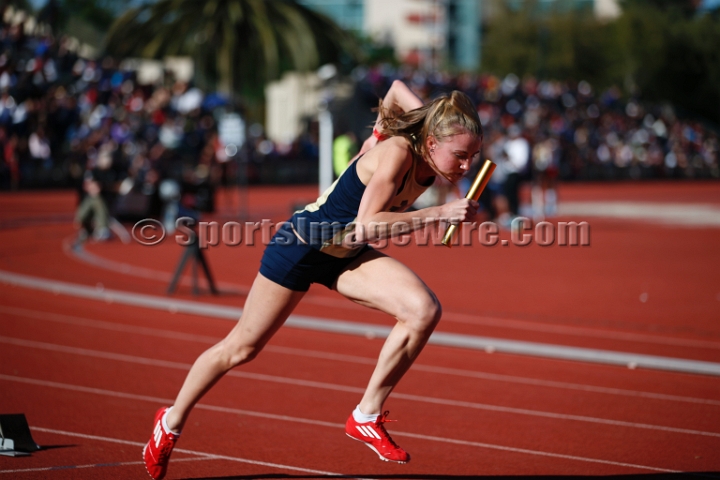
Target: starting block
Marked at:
15, 437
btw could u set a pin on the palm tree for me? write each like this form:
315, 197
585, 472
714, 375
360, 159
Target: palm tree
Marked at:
240, 44
97, 14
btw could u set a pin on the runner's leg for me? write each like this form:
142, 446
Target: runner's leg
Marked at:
267, 307
381, 282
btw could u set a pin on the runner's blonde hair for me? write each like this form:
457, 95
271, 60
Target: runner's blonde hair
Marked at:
443, 117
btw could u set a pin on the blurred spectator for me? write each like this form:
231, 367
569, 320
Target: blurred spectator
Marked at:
92, 216
40, 148
546, 158
496, 185
517, 154
344, 149
9, 170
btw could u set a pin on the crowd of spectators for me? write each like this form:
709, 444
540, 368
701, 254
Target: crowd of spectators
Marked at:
541, 131
63, 116
68, 120
587, 134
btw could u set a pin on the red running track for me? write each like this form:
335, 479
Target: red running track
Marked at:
89, 374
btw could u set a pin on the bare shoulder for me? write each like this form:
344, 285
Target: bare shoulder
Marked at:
392, 156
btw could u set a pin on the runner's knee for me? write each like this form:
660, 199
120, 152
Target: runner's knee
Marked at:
233, 356
422, 312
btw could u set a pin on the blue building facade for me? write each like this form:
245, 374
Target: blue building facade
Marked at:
464, 34
349, 14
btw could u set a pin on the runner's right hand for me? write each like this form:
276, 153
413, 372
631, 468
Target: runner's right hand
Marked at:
460, 210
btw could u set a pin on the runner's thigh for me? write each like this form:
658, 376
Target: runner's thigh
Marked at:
381, 282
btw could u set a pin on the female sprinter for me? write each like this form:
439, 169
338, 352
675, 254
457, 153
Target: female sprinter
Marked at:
440, 138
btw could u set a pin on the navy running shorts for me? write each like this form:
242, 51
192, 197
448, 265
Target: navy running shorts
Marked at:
295, 265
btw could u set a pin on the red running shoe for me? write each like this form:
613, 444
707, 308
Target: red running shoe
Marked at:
157, 451
374, 435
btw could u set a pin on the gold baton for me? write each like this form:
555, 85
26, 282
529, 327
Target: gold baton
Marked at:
481, 180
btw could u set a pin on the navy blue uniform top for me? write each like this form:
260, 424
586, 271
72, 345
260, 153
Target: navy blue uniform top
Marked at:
324, 223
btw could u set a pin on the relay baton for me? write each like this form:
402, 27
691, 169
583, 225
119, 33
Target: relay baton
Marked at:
478, 185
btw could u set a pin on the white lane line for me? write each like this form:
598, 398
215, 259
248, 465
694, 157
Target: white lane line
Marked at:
578, 331
496, 377
507, 323
354, 328
111, 326
155, 332
350, 389
36, 220
685, 215
516, 347
141, 272
205, 455
534, 452
163, 401
94, 465
307, 421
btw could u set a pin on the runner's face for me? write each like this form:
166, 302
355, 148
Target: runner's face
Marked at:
453, 155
